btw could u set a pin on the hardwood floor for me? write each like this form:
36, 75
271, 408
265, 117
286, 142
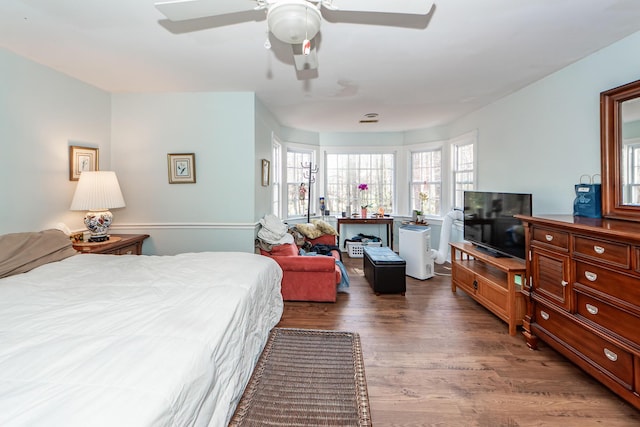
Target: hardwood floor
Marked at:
435, 358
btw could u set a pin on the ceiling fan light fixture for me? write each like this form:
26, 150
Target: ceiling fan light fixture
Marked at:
294, 21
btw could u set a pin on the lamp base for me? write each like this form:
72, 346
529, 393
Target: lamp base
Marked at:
98, 222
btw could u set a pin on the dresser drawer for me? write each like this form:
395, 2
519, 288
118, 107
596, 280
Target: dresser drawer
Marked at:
128, 250
601, 313
625, 288
615, 254
547, 236
606, 356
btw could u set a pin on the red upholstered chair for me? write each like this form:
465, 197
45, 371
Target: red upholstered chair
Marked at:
307, 278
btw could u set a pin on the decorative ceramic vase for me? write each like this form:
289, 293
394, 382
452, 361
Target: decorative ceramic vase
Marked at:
98, 223
363, 213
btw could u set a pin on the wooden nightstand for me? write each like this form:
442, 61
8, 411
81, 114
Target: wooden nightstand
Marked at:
118, 244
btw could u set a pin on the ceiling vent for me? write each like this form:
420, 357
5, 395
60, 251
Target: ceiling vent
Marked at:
370, 118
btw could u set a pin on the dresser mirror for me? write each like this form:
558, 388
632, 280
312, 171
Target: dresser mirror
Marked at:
620, 151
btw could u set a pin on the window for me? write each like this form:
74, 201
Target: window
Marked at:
463, 171
276, 176
441, 171
298, 162
426, 181
631, 171
344, 172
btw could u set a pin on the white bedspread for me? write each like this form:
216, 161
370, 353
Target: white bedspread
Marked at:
99, 340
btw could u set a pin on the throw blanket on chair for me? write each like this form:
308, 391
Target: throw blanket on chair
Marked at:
326, 250
272, 232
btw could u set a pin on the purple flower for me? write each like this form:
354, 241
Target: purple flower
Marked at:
363, 187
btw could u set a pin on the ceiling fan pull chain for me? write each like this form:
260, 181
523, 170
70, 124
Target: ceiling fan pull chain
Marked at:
306, 44
267, 42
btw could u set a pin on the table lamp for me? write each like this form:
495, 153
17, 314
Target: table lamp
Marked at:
97, 192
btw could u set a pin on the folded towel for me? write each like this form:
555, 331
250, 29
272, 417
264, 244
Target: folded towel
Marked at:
273, 230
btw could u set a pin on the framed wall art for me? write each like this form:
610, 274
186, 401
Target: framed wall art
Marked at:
266, 172
81, 159
182, 168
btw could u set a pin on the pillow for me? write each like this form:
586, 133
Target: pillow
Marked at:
325, 227
298, 237
21, 252
310, 231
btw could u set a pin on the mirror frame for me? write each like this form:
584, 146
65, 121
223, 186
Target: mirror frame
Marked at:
611, 151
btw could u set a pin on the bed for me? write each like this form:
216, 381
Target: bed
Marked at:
105, 340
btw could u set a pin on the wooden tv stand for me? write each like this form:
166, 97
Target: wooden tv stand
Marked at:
496, 283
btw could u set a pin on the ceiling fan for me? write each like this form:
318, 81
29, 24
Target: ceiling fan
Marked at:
295, 22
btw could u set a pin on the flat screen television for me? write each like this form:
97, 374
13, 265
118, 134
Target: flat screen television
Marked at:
489, 223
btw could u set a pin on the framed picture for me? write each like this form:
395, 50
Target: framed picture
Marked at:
182, 168
266, 171
81, 159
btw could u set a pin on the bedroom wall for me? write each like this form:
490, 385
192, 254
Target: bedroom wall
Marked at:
543, 137
539, 139
266, 127
42, 112
215, 213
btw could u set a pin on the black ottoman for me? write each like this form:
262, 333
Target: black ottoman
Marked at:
384, 270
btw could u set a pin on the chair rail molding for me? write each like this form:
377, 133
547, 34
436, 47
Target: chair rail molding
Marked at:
187, 225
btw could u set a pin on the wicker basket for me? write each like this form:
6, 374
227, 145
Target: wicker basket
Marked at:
355, 249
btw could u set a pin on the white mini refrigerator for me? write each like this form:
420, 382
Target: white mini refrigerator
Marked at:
415, 248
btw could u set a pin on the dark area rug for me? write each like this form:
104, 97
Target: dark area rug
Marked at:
307, 378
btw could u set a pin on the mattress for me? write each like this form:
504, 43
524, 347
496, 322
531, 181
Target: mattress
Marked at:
101, 340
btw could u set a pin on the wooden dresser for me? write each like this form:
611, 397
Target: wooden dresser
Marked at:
583, 293
118, 244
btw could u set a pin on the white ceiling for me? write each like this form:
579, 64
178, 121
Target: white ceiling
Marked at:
466, 54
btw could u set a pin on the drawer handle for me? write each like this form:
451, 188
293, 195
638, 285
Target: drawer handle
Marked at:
590, 276
544, 315
564, 283
592, 309
610, 355
549, 237
598, 249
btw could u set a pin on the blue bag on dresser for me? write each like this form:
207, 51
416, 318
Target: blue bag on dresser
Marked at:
588, 201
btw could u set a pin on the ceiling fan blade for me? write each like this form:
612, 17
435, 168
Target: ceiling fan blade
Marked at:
409, 7
182, 10
305, 62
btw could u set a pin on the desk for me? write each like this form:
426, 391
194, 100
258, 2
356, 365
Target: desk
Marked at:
387, 220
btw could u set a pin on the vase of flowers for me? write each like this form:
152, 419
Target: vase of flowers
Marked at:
363, 206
